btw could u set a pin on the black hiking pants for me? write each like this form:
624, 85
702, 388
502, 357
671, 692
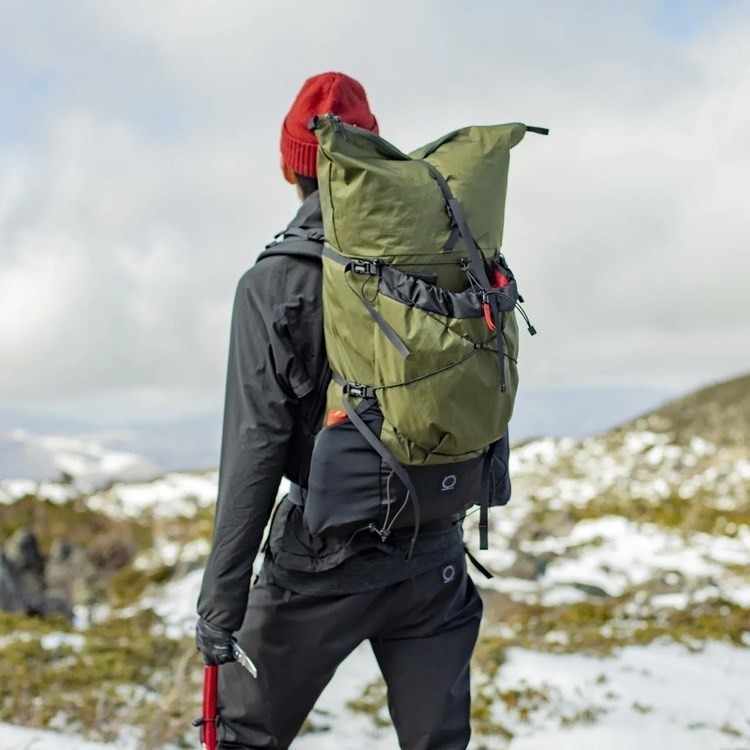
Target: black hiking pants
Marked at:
422, 632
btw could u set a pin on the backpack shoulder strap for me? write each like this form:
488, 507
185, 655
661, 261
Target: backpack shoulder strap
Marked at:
296, 242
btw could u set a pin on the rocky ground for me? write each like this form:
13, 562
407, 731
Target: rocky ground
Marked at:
619, 614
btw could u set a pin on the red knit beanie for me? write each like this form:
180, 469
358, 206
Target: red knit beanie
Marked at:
321, 94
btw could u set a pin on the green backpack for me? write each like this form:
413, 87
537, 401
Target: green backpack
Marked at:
420, 328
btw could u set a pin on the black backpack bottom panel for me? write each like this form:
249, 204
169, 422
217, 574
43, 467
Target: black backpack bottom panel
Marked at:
350, 487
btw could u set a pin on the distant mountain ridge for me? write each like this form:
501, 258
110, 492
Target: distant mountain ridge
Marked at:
87, 461
718, 413
94, 457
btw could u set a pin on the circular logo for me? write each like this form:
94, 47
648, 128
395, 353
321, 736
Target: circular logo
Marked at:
449, 482
449, 573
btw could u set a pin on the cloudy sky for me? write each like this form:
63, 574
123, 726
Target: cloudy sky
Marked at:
139, 178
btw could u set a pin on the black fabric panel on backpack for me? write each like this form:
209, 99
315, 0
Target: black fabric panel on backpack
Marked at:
500, 473
416, 292
344, 486
445, 490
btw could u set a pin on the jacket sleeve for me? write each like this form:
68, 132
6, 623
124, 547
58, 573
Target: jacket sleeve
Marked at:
263, 385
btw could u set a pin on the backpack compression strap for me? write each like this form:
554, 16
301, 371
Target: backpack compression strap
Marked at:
459, 226
371, 268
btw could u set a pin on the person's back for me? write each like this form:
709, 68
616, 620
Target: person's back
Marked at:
317, 598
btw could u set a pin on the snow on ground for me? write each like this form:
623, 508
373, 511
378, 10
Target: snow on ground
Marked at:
174, 494
628, 555
661, 696
651, 698
20, 738
176, 603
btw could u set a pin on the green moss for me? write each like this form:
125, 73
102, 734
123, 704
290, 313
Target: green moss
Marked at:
373, 702
72, 522
601, 626
728, 729
18, 623
483, 723
128, 585
125, 674
697, 514
587, 715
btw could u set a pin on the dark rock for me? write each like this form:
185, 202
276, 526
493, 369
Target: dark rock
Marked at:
591, 590
10, 596
22, 552
31, 584
25, 565
552, 524
54, 605
68, 574
111, 551
528, 567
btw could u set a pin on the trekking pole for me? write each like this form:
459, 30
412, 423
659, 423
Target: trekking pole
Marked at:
207, 722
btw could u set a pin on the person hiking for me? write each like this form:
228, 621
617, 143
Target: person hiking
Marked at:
317, 598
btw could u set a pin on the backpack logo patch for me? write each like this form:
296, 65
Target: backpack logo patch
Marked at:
449, 483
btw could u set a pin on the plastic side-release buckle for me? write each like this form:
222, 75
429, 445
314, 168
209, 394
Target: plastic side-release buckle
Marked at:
357, 390
370, 267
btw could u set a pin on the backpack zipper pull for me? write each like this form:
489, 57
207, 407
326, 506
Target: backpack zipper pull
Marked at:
338, 126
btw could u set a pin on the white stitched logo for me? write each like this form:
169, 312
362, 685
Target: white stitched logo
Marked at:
449, 573
449, 483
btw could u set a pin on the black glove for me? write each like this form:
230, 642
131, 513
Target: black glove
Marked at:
216, 644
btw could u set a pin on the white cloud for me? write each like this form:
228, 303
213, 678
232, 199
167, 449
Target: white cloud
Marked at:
151, 181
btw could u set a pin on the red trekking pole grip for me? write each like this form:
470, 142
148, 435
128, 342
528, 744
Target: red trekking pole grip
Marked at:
208, 721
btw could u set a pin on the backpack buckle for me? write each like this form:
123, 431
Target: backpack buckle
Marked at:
357, 390
369, 267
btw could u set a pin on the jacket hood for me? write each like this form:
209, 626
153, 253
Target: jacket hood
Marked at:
310, 215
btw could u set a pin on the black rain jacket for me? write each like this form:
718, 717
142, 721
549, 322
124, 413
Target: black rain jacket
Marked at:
276, 380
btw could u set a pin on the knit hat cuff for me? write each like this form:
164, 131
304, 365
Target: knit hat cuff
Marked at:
300, 156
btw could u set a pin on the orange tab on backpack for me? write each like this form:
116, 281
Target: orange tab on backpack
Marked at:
335, 416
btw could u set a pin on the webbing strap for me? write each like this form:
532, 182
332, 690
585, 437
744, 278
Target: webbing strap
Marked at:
377, 445
484, 522
384, 326
333, 255
368, 268
351, 388
450, 243
495, 309
486, 573
306, 234
458, 220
